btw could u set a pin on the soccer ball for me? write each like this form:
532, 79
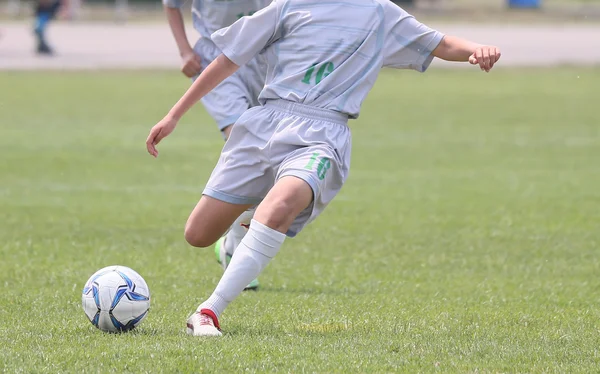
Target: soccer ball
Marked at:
115, 299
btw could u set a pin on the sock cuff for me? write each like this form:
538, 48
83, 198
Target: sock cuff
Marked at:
263, 239
216, 303
263, 229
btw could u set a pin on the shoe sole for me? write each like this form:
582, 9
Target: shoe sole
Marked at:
204, 330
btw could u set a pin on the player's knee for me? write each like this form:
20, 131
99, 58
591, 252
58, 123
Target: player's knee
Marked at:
197, 238
278, 215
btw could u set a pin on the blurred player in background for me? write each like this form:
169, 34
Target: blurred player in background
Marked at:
227, 102
45, 11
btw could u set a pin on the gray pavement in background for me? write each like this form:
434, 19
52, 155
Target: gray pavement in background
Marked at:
131, 46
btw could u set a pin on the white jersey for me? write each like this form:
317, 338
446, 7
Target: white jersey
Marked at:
328, 54
211, 15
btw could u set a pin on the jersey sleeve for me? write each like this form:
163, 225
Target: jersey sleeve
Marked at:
408, 42
248, 36
173, 3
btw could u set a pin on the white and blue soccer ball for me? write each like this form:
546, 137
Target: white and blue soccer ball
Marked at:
116, 299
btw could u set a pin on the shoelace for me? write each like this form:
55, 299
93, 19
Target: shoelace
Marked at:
206, 320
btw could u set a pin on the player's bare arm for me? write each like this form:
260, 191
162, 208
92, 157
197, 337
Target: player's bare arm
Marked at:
190, 61
215, 73
452, 48
221, 68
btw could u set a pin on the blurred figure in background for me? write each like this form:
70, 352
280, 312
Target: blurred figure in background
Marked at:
45, 11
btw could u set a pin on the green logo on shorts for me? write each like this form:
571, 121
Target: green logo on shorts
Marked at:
323, 166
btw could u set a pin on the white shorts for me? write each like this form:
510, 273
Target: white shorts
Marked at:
281, 139
239, 92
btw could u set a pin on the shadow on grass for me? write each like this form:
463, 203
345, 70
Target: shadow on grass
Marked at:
138, 331
333, 291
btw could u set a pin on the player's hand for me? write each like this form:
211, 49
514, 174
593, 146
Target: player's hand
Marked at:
191, 64
160, 131
485, 56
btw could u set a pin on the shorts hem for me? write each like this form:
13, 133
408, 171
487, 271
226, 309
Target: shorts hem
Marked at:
305, 177
229, 198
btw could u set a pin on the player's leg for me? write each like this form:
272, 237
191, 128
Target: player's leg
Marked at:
226, 103
238, 182
210, 219
225, 246
286, 200
308, 179
242, 178
45, 11
266, 234
249, 80
227, 243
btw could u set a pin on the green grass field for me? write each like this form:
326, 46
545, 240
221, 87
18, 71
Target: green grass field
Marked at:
466, 239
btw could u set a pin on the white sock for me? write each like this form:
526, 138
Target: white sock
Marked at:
257, 248
237, 231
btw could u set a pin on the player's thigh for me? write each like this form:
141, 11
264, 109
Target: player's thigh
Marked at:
210, 219
324, 169
242, 178
284, 202
239, 181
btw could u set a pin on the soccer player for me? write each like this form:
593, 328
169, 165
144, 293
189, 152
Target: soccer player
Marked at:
229, 100
291, 154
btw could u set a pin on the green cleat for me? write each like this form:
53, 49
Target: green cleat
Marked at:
223, 258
